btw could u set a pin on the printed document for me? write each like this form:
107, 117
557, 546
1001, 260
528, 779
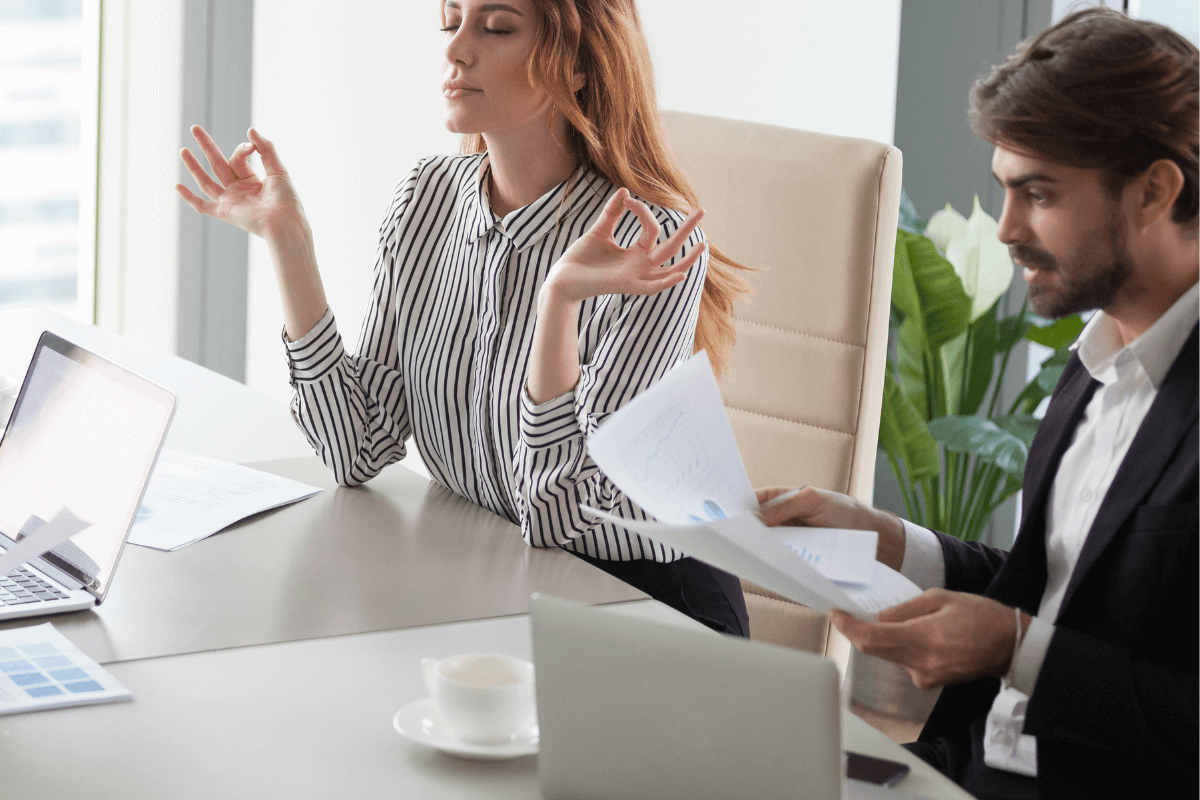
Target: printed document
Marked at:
190, 498
672, 451
41, 668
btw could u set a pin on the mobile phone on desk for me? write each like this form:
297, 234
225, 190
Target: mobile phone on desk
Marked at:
869, 769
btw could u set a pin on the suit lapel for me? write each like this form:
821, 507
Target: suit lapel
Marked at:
1160, 435
1022, 578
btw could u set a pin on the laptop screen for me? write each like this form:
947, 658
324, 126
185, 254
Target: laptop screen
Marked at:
84, 434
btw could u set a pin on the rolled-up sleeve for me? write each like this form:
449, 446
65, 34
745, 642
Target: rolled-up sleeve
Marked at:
628, 344
353, 408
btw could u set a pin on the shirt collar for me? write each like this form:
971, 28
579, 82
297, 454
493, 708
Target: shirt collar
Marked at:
1099, 344
525, 226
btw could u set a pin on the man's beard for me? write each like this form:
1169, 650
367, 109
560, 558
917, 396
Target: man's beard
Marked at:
1092, 280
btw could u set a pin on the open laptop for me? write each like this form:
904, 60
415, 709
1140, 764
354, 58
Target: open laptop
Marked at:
85, 435
630, 707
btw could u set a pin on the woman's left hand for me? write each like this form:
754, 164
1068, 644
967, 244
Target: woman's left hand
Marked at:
595, 264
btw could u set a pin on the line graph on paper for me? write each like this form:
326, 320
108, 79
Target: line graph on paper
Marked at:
669, 455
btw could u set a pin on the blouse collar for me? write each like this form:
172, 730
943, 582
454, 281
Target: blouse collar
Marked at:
525, 226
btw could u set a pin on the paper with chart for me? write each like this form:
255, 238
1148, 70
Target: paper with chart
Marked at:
191, 497
41, 668
672, 452
745, 547
841, 555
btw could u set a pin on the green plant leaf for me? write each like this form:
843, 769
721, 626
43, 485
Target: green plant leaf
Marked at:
905, 297
1055, 334
909, 219
981, 360
910, 353
1023, 426
911, 342
954, 358
967, 433
945, 307
1044, 382
1011, 330
903, 433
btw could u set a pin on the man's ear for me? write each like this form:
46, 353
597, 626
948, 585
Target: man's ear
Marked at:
1156, 191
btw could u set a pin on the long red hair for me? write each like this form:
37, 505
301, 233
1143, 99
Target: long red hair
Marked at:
617, 131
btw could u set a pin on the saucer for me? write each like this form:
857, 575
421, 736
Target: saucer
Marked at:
421, 722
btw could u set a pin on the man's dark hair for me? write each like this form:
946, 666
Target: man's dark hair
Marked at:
1099, 91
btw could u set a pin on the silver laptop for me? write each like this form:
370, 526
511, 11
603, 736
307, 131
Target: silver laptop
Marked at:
84, 434
633, 708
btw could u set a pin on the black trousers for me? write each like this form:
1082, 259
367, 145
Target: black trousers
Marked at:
704, 593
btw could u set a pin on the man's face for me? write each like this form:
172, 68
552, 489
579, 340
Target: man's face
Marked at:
1066, 230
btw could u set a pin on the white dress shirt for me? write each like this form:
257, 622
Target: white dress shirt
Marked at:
444, 352
1129, 376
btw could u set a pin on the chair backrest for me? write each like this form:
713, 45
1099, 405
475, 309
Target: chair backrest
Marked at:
816, 214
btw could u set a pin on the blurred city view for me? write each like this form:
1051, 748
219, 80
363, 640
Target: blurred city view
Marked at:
39, 153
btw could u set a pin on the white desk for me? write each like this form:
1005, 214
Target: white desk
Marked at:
306, 719
303, 717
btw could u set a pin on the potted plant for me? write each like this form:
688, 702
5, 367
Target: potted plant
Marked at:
957, 452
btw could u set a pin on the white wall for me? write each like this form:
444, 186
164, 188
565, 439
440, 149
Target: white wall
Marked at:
138, 216
821, 65
350, 93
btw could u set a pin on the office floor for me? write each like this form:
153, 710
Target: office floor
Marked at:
897, 729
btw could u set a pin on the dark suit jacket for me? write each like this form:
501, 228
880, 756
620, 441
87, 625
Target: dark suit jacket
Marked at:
1115, 705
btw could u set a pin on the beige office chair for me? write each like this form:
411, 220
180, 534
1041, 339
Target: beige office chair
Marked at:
816, 214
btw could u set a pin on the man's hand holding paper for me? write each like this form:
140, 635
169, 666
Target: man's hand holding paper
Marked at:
671, 450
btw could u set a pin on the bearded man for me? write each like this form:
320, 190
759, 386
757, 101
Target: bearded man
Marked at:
1070, 663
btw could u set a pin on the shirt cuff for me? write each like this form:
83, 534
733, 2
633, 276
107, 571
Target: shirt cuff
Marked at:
1027, 662
924, 563
315, 353
548, 423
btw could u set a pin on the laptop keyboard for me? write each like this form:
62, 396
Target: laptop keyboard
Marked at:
22, 586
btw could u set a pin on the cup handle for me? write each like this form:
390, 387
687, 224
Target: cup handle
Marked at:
428, 671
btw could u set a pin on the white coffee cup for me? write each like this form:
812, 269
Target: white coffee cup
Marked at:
485, 699
9, 389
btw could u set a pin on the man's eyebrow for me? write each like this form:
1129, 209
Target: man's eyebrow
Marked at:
1021, 180
488, 7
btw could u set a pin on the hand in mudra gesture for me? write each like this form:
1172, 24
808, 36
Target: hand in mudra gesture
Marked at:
237, 195
595, 264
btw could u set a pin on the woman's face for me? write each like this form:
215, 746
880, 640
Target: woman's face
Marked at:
484, 80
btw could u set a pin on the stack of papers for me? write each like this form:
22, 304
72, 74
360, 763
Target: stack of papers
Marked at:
41, 668
190, 498
672, 452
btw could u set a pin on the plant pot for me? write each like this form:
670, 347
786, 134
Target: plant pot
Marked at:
887, 688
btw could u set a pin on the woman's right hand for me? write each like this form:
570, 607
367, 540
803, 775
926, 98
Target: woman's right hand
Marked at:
267, 207
262, 206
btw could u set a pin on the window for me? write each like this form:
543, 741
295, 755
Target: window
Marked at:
40, 100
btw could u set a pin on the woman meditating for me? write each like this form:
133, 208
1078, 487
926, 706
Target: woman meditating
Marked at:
522, 292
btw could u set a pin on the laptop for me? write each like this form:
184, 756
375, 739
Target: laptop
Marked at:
633, 708
84, 434
663, 710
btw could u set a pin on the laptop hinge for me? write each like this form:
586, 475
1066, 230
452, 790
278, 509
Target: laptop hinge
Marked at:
56, 573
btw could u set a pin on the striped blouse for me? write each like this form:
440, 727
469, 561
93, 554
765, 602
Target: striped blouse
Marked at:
444, 351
